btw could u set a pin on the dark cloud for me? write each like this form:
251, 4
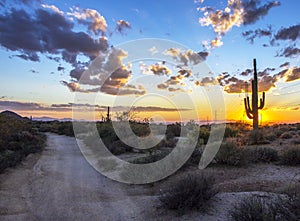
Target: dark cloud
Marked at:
60, 68
266, 83
222, 78
206, 81
33, 71
253, 11
232, 84
185, 73
15, 105
69, 57
157, 69
162, 86
154, 109
290, 33
187, 57
106, 74
290, 52
235, 14
44, 32
265, 72
173, 89
292, 74
284, 65
28, 57
203, 55
246, 72
258, 33
122, 25
27, 106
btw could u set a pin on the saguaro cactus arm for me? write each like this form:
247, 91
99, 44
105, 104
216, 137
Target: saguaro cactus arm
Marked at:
262, 101
248, 109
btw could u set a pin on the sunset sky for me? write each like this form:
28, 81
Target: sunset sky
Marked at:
171, 60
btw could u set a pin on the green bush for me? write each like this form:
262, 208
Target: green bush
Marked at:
230, 154
262, 154
291, 156
190, 192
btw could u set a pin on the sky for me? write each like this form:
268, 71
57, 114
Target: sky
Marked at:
167, 60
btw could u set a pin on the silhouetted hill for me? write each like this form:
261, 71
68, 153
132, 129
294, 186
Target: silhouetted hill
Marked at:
13, 115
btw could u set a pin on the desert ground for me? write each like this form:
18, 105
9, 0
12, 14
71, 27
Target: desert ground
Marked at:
59, 184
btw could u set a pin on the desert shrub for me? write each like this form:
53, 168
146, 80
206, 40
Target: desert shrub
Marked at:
174, 129
252, 208
190, 192
286, 135
204, 133
230, 154
107, 133
17, 140
231, 132
118, 147
291, 156
111, 142
288, 208
195, 157
280, 208
153, 157
295, 141
262, 154
257, 137
140, 129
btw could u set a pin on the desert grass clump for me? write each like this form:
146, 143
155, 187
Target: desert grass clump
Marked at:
291, 156
262, 154
231, 154
258, 137
277, 208
287, 135
252, 208
190, 192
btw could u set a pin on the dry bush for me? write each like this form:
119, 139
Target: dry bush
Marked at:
231, 154
190, 192
291, 156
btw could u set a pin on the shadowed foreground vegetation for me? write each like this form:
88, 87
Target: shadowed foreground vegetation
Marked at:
18, 138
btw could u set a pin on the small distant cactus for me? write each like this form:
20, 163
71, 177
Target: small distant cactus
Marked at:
108, 115
252, 112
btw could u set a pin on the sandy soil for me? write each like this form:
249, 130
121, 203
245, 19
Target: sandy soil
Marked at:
59, 184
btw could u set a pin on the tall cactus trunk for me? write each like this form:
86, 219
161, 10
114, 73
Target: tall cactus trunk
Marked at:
255, 98
252, 111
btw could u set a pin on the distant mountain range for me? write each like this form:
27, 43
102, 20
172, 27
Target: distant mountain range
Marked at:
44, 118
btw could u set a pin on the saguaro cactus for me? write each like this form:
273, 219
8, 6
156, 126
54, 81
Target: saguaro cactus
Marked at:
252, 112
108, 115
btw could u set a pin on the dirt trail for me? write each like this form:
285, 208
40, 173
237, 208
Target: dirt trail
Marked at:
59, 184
